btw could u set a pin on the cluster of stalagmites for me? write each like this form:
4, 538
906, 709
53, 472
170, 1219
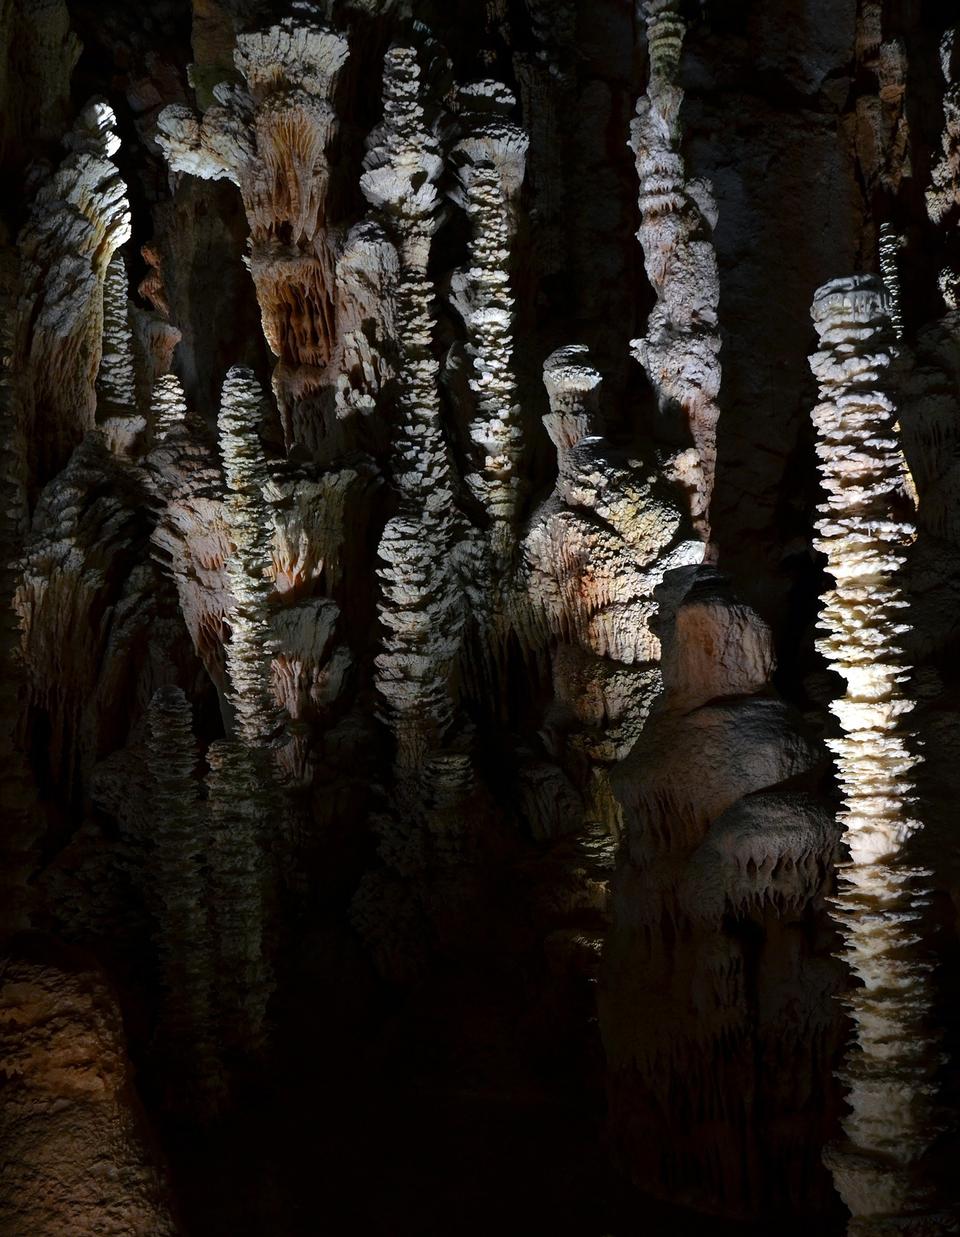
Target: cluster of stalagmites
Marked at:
662, 729
865, 527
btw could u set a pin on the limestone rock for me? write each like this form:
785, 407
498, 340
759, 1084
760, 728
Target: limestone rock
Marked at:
76, 1161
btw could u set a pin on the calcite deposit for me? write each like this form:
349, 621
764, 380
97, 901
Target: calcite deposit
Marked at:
865, 527
422, 766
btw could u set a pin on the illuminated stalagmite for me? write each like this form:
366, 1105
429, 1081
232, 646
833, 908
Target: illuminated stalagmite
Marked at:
594, 555
249, 650
865, 526
117, 412
422, 605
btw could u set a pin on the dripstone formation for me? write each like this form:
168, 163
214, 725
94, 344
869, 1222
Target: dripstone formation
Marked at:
450, 736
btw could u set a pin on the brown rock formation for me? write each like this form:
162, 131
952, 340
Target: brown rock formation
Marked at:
75, 1158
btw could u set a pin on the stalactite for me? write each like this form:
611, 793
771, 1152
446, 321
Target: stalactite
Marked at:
180, 853
680, 350
421, 606
865, 527
239, 822
250, 649
489, 164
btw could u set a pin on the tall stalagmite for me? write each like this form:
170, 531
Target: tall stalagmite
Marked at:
250, 647
680, 350
421, 608
865, 527
489, 163
178, 885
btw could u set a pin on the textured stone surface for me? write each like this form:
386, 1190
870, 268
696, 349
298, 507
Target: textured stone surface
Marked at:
76, 1160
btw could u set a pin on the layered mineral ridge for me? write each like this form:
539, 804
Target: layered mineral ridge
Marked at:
479, 709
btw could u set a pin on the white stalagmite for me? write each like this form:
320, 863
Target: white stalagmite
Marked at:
117, 413
681, 347
168, 405
421, 606
889, 247
250, 649
864, 528
179, 888
489, 164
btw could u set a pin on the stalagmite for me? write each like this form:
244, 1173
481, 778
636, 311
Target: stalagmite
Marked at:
250, 648
593, 557
168, 406
865, 526
78, 219
239, 821
117, 413
191, 538
180, 855
271, 140
680, 350
943, 195
889, 272
19, 833
421, 607
489, 164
